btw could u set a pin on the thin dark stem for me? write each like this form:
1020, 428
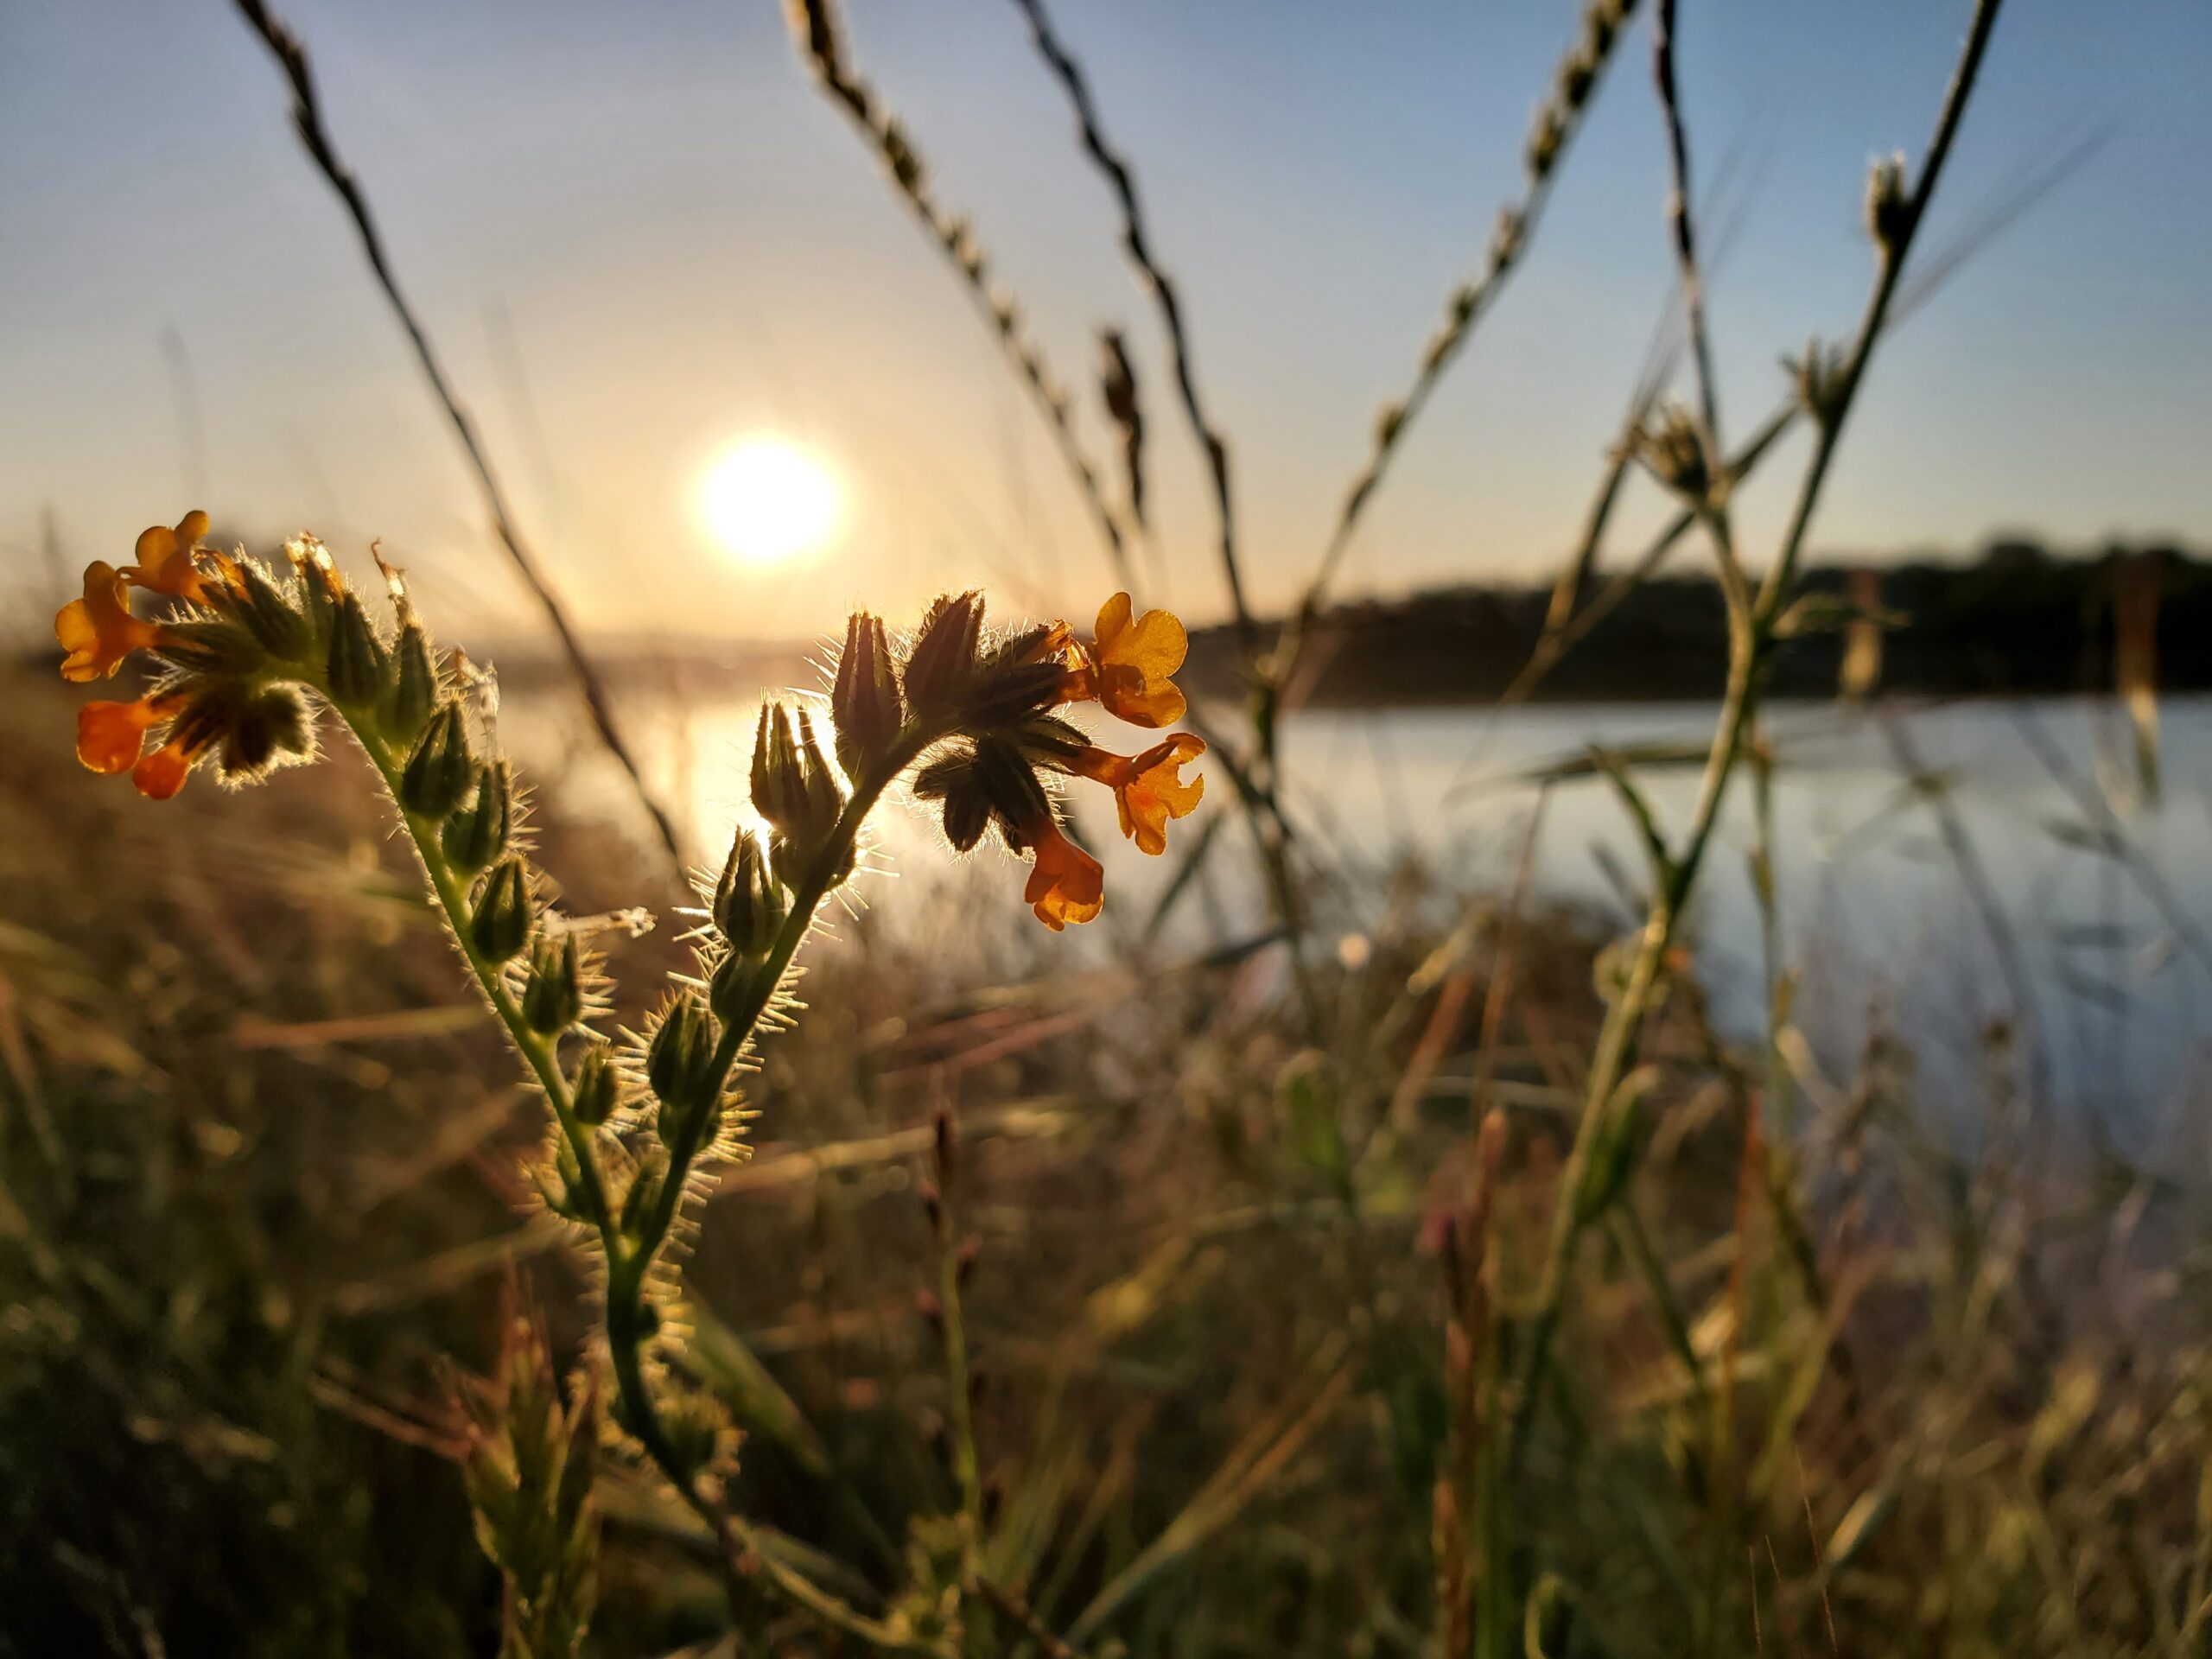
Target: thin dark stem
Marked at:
820, 36
1138, 244
307, 118
1679, 219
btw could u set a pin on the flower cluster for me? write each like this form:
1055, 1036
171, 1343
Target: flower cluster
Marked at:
992, 776
227, 659
981, 713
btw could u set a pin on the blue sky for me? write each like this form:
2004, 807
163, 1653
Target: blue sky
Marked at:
639, 233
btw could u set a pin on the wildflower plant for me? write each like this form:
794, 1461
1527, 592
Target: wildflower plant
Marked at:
246, 658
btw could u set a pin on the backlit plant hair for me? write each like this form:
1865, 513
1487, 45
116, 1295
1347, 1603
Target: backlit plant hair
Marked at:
246, 658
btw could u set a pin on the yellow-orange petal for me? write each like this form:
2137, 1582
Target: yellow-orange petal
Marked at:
164, 558
99, 630
1128, 695
1113, 620
1154, 643
109, 736
161, 773
1067, 884
1156, 792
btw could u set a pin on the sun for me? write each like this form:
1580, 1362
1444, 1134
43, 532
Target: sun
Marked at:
766, 501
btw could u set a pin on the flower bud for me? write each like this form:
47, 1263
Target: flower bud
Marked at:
954, 781
1007, 696
595, 1091
553, 996
644, 1193
359, 671
476, 834
749, 906
258, 727
865, 705
680, 1060
1010, 784
441, 769
1672, 445
730, 985
943, 660
501, 926
268, 614
795, 790
560, 1192
321, 585
779, 788
414, 690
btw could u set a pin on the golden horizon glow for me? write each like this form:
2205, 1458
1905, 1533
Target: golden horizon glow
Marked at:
766, 500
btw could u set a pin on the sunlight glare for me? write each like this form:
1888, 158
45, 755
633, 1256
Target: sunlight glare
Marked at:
766, 501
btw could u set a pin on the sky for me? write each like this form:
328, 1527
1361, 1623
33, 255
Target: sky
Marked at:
638, 235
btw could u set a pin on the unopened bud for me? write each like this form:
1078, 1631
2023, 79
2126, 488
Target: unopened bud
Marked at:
259, 726
931, 1309
943, 660
1010, 784
865, 705
965, 1259
414, 690
680, 1061
441, 768
596, 1090
553, 996
501, 926
321, 585
477, 833
778, 787
357, 667
954, 781
730, 987
749, 904
645, 1193
272, 618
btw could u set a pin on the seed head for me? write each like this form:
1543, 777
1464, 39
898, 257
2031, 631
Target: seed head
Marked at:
1889, 208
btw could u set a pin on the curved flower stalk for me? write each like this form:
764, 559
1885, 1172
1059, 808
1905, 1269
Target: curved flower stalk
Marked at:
245, 658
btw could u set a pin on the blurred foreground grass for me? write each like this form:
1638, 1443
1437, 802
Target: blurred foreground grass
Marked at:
261, 1188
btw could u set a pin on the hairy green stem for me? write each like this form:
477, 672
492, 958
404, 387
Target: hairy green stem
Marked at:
628, 1261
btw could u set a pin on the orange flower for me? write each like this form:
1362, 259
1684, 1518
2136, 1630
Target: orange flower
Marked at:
110, 735
1128, 665
1067, 885
1148, 788
164, 558
161, 773
99, 630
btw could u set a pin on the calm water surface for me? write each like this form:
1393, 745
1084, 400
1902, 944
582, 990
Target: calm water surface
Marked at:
1875, 913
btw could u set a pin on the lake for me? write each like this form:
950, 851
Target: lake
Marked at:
2109, 933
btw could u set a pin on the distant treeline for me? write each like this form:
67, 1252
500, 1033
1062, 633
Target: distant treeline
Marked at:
2018, 619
